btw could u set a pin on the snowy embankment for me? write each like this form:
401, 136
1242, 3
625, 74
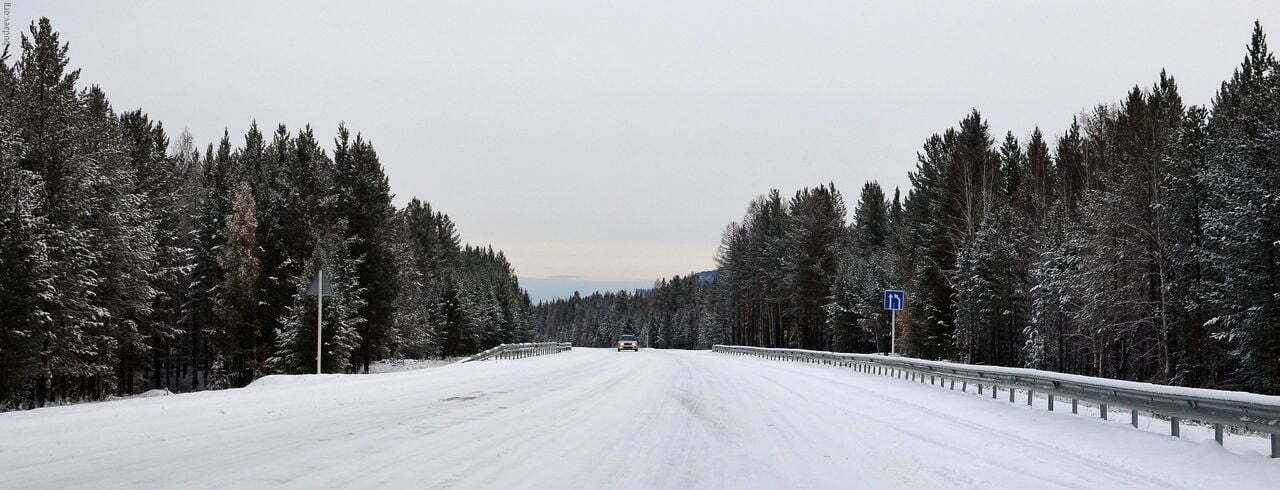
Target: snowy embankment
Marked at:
396, 365
593, 418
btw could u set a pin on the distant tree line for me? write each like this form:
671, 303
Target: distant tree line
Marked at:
129, 261
677, 313
1143, 243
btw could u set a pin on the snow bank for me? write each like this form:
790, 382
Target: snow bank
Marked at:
294, 380
396, 365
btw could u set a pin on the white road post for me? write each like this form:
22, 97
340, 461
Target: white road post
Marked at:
319, 318
893, 332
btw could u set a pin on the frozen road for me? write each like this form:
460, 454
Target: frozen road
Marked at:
594, 418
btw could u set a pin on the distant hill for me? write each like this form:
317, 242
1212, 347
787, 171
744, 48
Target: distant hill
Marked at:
707, 276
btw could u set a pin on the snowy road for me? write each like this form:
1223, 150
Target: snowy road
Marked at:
595, 418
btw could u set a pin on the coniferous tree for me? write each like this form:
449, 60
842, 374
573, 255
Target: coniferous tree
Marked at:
21, 255
815, 226
368, 210
1241, 249
51, 118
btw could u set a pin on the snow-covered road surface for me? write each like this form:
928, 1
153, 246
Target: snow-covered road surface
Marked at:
594, 418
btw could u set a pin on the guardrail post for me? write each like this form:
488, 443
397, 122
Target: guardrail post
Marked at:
1011, 393
1175, 425
964, 385
979, 388
1133, 418
1102, 411
953, 384
1275, 445
995, 391
1028, 398
1075, 405
1050, 402
1217, 433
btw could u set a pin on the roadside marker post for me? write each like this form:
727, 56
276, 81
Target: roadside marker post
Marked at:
320, 287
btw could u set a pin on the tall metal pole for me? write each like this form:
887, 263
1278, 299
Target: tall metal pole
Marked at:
893, 332
319, 317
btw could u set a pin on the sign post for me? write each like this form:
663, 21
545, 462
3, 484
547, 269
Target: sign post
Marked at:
893, 301
319, 320
320, 288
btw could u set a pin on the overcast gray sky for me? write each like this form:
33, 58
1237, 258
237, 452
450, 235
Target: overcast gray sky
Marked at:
604, 144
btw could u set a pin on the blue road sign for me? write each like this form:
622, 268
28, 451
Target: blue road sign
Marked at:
894, 299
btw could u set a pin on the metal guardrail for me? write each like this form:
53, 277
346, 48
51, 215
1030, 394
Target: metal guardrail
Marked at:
520, 351
1255, 412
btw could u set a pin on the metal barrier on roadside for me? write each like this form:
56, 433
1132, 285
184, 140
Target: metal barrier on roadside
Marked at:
520, 351
1252, 411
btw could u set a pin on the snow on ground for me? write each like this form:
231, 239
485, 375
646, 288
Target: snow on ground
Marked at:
594, 418
396, 365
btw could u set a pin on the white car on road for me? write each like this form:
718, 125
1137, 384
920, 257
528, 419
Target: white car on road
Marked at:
628, 342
